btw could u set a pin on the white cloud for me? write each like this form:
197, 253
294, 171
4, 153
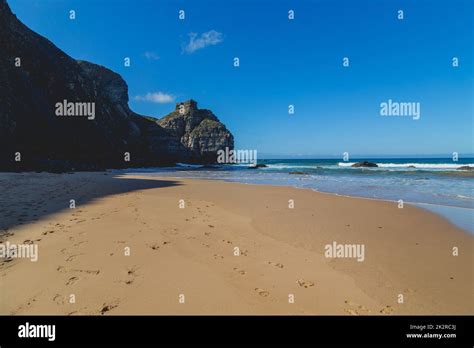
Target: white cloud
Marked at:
151, 55
196, 41
156, 97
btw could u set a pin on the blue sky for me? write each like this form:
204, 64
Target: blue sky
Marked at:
286, 62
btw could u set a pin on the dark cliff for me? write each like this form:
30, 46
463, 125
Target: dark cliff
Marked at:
35, 75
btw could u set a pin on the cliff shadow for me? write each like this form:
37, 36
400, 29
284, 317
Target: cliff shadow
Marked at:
29, 197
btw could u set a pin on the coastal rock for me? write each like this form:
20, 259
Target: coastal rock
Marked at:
35, 75
364, 164
259, 165
297, 173
199, 131
465, 168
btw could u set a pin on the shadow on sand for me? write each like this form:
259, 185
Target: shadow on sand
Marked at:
29, 197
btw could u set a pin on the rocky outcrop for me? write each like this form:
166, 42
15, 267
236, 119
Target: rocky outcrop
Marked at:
199, 131
35, 75
465, 168
364, 164
256, 166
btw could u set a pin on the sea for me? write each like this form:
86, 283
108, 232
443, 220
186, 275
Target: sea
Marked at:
435, 184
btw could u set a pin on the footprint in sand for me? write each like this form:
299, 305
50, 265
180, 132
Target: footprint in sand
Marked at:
25, 306
240, 271
227, 241
304, 283
262, 292
72, 257
387, 310
72, 280
279, 265
62, 269
217, 256
350, 311
107, 307
130, 277
88, 271
132, 271
7, 260
357, 308
63, 251
78, 312
58, 299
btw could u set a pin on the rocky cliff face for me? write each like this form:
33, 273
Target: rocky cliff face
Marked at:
35, 75
199, 131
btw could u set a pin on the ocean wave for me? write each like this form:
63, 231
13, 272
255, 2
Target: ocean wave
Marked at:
464, 197
294, 166
186, 165
413, 165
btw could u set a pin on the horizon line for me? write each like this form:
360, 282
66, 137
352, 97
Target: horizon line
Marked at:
372, 156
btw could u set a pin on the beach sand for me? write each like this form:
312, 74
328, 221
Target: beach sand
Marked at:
182, 260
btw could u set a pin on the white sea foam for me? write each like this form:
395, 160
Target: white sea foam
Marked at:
286, 166
415, 165
465, 197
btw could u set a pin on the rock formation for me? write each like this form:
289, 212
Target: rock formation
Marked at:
364, 164
256, 166
199, 131
35, 75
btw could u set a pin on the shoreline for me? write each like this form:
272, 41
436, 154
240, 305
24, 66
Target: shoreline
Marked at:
419, 205
446, 212
458, 216
176, 251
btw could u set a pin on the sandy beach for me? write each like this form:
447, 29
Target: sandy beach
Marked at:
149, 245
